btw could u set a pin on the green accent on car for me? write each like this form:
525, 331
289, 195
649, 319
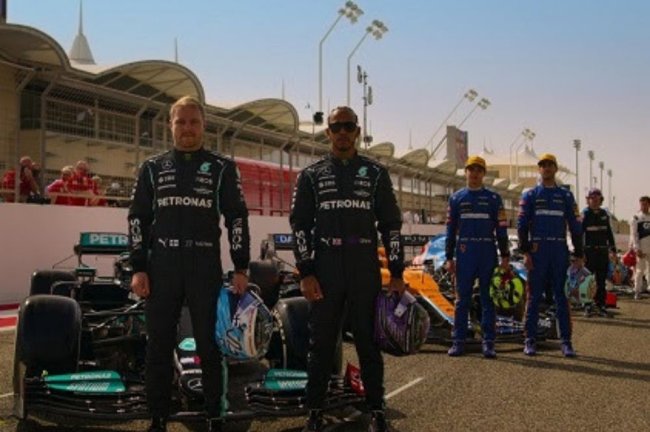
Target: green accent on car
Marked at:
187, 344
100, 375
89, 386
285, 385
286, 374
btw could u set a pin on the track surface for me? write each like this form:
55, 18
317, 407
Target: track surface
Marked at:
606, 388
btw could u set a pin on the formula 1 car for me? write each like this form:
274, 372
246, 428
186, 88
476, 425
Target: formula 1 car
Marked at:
81, 342
434, 287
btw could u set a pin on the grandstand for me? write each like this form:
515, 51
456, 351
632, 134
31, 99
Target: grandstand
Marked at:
60, 108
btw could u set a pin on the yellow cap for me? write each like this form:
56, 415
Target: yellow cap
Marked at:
547, 157
475, 160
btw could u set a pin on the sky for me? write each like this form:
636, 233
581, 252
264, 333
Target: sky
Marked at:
566, 69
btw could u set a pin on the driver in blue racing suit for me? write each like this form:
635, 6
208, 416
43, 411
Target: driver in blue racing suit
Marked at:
545, 212
474, 215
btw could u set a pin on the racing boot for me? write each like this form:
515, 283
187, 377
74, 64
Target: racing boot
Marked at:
567, 349
378, 422
315, 421
488, 349
457, 349
215, 424
530, 348
158, 424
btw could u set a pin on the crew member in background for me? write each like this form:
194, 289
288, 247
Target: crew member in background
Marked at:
640, 239
599, 243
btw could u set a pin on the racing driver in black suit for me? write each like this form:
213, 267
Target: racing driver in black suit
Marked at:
174, 238
339, 204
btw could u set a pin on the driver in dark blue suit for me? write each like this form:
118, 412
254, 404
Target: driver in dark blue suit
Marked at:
475, 215
545, 212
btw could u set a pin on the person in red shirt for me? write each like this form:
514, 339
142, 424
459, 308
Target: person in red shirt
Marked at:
58, 189
28, 185
98, 191
81, 185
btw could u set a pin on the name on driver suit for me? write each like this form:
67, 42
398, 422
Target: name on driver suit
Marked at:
184, 201
345, 204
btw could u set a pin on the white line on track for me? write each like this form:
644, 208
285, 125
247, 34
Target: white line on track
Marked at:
404, 387
6, 395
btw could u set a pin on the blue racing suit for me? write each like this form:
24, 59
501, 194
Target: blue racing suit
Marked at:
544, 215
473, 218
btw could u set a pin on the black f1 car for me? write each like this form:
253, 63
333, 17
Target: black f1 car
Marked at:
81, 342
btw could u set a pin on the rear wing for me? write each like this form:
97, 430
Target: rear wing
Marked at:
101, 243
415, 239
283, 242
287, 241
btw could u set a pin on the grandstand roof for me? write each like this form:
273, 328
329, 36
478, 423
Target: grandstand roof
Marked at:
526, 157
418, 158
385, 149
30, 47
443, 165
273, 114
158, 80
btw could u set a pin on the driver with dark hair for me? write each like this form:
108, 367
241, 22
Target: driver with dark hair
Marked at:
599, 243
339, 204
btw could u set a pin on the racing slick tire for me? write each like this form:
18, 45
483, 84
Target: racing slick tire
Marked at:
290, 341
48, 336
42, 280
266, 276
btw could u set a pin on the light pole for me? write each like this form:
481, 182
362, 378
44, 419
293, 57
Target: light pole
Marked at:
470, 95
609, 188
514, 141
531, 138
377, 30
351, 11
529, 135
483, 104
362, 78
577, 144
601, 165
590, 155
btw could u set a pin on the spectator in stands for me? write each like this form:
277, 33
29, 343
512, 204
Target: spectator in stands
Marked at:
114, 190
81, 185
58, 190
28, 185
98, 199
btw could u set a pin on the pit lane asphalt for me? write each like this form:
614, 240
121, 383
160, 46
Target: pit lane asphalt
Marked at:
606, 388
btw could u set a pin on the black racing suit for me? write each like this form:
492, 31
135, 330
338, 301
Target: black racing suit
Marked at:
599, 242
175, 237
338, 207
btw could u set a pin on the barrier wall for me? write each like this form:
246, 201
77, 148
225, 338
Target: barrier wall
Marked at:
39, 236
